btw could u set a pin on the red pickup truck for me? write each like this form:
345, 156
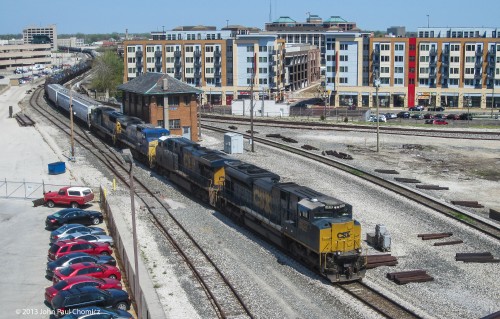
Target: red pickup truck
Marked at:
72, 196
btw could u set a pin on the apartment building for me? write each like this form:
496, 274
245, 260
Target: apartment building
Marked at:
33, 31
457, 72
213, 61
302, 66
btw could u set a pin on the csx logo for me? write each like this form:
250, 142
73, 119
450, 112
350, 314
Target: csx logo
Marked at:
343, 235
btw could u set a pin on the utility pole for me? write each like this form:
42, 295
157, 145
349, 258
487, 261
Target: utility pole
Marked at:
492, 97
376, 82
251, 103
71, 123
199, 116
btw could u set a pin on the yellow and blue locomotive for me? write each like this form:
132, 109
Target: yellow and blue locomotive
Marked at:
315, 228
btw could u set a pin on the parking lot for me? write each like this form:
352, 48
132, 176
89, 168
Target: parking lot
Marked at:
24, 258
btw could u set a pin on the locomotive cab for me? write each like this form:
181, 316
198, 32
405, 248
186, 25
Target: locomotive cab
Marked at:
327, 235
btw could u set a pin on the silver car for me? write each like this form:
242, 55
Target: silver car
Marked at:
74, 228
93, 238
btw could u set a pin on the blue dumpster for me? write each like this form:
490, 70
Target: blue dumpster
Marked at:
57, 168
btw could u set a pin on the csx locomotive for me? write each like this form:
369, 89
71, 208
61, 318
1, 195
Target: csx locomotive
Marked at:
315, 228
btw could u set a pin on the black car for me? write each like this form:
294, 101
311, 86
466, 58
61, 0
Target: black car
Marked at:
75, 258
417, 116
89, 296
403, 115
465, 116
73, 216
435, 109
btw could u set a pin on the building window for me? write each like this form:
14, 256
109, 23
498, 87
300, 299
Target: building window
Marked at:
398, 69
344, 46
384, 58
250, 48
174, 124
424, 47
399, 58
262, 70
455, 47
384, 47
343, 80
209, 59
159, 123
263, 59
454, 59
398, 81
399, 47
384, 69
130, 49
344, 69
344, 58
250, 59
424, 70
424, 58
262, 81
262, 48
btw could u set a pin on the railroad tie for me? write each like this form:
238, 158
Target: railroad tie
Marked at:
404, 277
472, 204
484, 257
451, 242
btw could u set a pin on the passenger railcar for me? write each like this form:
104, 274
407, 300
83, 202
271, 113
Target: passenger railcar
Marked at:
82, 105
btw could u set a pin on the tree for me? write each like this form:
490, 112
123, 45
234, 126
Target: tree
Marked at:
108, 72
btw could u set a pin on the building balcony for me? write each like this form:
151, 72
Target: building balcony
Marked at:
376, 62
376, 52
138, 64
217, 54
433, 63
158, 54
444, 75
197, 64
158, 64
177, 64
217, 64
478, 75
433, 52
478, 84
446, 51
197, 54
492, 53
479, 52
490, 75
178, 75
479, 63
197, 75
217, 74
432, 74
138, 54
177, 53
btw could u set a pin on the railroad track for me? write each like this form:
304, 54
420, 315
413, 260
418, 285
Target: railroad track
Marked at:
221, 294
486, 227
377, 301
431, 132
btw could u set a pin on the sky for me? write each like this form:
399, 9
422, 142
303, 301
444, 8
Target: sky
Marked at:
143, 16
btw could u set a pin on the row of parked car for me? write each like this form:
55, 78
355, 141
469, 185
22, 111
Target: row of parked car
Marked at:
85, 280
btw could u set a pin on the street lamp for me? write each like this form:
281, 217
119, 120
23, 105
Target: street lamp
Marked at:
376, 83
128, 158
71, 123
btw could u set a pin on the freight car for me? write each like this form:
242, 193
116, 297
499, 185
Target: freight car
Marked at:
316, 228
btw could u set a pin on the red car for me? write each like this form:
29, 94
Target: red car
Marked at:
64, 247
72, 196
78, 282
87, 269
439, 122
